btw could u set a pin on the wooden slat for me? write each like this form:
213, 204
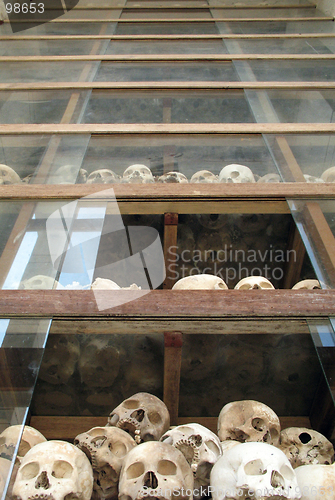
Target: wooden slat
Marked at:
170, 240
188, 5
295, 262
172, 368
178, 20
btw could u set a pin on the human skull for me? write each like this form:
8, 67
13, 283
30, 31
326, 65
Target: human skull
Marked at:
155, 470
54, 470
40, 282
270, 178
103, 176
311, 178
248, 420
143, 415
254, 283
60, 358
204, 177
253, 470
173, 177
305, 446
106, 448
5, 466
99, 363
316, 482
200, 282
236, 173
201, 448
307, 285
10, 437
138, 174
106, 284
8, 175
212, 221
68, 174
329, 175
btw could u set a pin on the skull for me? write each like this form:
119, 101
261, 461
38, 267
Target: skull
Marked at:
10, 437
212, 221
236, 173
311, 178
201, 448
8, 175
155, 470
254, 283
248, 420
40, 282
106, 448
5, 466
306, 446
316, 482
199, 356
59, 359
68, 174
270, 178
106, 284
173, 177
253, 470
99, 363
204, 176
200, 282
138, 174
211, 249
54, 470
329, 175
307, 285
103, 176
143, 415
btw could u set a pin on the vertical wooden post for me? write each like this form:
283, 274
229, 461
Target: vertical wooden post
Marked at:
173, 342
292, 271
170, 244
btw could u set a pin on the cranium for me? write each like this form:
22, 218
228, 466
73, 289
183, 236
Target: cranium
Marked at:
201, 448
106, 284
257, 471
103, 176
329, 175
173, 177
212, 221
8, 175
5, 466
68, 174
270, 178
99, 363
316, 482
10, 437
200, 282
60, 358
248, 420
305, 446
204, 176
254, 283
250, 224
40, 282
54, 470
307, 285
138, 174
311, 178
236, 173
155, 470
143, 415
106, 448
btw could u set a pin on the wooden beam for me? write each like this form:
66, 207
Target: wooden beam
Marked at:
187, 6
170, 240
187, 20
173, 342
295, 262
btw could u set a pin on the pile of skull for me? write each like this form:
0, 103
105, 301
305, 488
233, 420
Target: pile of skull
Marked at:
138, 455
141, 174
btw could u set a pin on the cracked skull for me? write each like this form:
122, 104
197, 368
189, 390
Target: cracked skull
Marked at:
106, 448
173, 177
54, 470
204, 177
305, 446
254, 283
236, 173
138, 174
144, 416
10, 436
8, 175
248, 420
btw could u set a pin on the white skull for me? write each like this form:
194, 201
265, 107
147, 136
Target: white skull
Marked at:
329, 175
254, 283
270, 178
138, 174
60, 358
8, 175
248, 420
106, 284
201, 448
106, 448
305, 446
40, 282
143, 415
103, 176
155, 470
10, 437
316, 482
204, 177
256, 471
200, 282
311, 178
307, 285
236, 173
5, 466
68, 174
173, 177
99, 363
54, 470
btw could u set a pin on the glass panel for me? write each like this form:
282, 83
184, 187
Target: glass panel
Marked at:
290, 70
167, 47
62, 29
46, 47
266, 13
70, 71
283, 46
166, 29
167, 14
276, 27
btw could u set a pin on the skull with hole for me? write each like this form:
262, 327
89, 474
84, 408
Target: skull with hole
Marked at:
201, 448
269, 178
248, 420
138, 174
200, 282
173, 177
236, 173
8, 175
312, 178
103, 176
257, 471
307, 285
60, 359
204, 177
329, 175
40, 282
305, 446
143, 415
10, 437
106, 448
316, 482
54, 470
155, 470
254, 283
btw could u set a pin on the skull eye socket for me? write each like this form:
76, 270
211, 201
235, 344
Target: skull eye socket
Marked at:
96, 432
287, 473
234, 174
154, 417
135, 470
131, 404
62, 469
23, 448
213, 447
258, 424
118, 448
166, 468
30, 470
255, 468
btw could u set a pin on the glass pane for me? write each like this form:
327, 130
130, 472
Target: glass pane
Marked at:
290, 70
275, 27
282, 46
167, 47
46, 47
70, 71
266, 13
167, 14
62, 29
166, 29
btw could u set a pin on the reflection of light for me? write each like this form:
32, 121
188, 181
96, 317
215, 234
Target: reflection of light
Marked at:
21, 261
3, 328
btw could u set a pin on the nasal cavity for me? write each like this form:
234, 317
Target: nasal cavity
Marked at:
42, 481
138, 415
150, 480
